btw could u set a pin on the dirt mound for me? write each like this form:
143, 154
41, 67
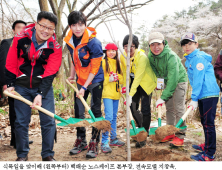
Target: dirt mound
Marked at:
163, 131
154, 154
141, 136
102, 125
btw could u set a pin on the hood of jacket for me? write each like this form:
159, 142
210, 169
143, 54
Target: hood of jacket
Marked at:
88, 34
197, 51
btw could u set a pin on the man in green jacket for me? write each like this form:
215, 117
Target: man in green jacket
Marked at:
171, 72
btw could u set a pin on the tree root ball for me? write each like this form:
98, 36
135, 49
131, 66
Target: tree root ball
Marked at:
103, 125
155, 154
163, 131
83, 123
141, 136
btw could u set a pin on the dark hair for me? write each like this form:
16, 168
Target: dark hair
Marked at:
75, 17
118, 69
16, 22
135, 41
185, 41
47, 15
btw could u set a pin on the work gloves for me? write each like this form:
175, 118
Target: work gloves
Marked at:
123, 90
194, 104
113, 77
130, 100
159, 102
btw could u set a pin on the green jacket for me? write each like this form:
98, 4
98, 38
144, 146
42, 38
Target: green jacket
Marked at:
168, 65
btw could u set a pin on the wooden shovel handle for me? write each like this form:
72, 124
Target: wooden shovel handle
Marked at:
159, 111
19, 97
80, 96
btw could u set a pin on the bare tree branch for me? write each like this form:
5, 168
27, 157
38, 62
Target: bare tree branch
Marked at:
96, 6
54, 6
86, 5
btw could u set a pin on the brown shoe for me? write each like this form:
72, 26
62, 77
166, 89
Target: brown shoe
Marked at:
22, 159
48, 158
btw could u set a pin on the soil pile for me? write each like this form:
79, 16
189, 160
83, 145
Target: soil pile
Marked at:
154, 154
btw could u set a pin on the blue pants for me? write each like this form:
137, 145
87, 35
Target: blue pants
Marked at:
207, 109
23, 115
111, 108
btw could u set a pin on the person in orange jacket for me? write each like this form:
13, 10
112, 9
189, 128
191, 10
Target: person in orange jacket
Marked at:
86, 53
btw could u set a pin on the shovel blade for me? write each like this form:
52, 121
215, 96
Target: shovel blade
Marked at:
76, 120
152, 131
138, 130
70, 121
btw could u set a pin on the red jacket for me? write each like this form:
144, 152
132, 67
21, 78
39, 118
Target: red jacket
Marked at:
29, 68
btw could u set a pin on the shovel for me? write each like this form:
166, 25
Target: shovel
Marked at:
101, 120
152, 130
135, 130
68, 122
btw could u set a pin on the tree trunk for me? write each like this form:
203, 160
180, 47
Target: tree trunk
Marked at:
43, 4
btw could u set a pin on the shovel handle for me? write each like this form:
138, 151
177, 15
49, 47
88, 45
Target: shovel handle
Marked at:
159, 115
183, 117
82, 100
19, 97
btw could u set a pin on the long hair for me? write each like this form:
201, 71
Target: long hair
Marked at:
118, 69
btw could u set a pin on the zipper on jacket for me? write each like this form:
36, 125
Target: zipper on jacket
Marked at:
32, 64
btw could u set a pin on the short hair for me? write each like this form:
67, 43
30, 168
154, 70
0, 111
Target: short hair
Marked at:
16, 22
185, 41
135, 40
76, 16
47, 15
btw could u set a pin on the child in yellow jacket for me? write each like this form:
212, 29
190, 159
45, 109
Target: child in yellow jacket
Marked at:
112, 80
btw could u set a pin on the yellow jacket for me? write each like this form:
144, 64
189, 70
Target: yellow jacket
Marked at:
110, 90
144, 75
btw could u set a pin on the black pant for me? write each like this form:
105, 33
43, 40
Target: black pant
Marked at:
12, 117
145, 108
96, 94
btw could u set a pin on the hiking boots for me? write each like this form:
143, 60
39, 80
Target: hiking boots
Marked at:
116, 142
79, 146
177, 142
93, 149
106, 148
168, 138
140, 144
199, 147
202, 156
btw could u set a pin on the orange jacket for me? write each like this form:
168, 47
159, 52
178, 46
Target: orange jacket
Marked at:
86, 56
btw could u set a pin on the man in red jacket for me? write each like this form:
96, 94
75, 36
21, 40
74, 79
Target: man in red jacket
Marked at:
32, 62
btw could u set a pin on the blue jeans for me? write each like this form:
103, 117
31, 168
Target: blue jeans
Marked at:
23, 115
111, 108
207, 109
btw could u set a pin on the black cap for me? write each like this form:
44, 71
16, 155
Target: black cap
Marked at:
16, 22
135, 40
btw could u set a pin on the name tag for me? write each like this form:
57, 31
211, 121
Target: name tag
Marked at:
160, 83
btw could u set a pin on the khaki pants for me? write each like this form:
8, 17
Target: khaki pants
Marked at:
175, 107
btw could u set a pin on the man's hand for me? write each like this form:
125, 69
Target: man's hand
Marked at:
37, 101
4, 87
159, 102
193, 104
81, 92
71, 80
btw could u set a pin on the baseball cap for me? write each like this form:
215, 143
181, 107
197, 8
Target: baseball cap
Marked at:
110, 46
156, 37
189, 36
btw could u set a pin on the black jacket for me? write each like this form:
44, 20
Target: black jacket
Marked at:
5, 44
